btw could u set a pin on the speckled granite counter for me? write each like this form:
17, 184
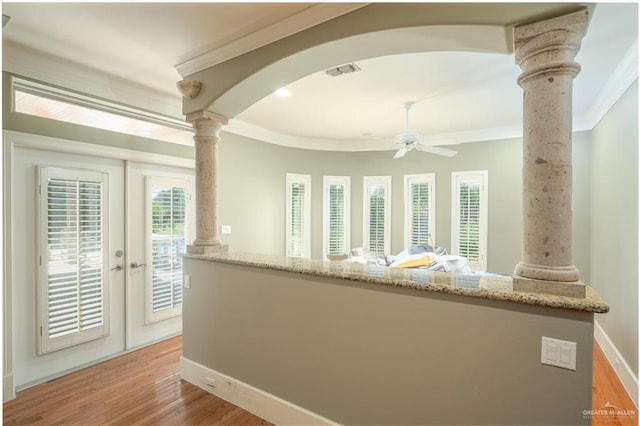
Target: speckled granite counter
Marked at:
484, 286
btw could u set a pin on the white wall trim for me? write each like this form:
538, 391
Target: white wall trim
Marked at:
620, 366
623, 77
307, 18
47, 143
8, 388
256, 401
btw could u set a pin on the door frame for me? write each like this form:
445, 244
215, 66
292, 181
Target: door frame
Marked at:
12, 140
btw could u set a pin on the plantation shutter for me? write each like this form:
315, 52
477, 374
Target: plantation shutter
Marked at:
72, 296
377, 218
419, 208
336, 220
470, 223
298, 215
297, 219
168, 239
469, 199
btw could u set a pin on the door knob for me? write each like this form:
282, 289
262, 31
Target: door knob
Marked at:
136, 265
118, 267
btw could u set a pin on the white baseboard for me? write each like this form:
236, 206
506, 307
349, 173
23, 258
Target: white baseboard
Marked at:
8, 390
249, 398
620, 366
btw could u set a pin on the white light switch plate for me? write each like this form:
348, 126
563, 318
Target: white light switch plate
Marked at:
186, 281
225, 229
559, 353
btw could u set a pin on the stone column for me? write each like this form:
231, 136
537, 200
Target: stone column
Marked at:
207, 127
545, 51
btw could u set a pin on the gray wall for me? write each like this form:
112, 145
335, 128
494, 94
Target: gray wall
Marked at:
360, 353
614, 222
257, 212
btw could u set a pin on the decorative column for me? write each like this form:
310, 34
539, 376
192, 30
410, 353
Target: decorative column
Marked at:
207, 127
545, 51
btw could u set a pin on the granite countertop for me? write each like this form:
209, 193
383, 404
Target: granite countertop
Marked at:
488, 286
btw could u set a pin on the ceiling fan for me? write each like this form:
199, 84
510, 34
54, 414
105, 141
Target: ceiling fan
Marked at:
408, 141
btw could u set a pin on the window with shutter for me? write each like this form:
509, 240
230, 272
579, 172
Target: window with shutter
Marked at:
72, 239
298, 211
336, 214
469, 221
419, 208
377, 214
167, 213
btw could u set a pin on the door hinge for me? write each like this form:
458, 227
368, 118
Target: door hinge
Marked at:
40, 260
39, 189
40, 331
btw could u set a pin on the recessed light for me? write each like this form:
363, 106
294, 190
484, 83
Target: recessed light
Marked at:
283, 93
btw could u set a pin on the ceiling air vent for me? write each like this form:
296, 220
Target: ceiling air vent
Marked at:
342, 69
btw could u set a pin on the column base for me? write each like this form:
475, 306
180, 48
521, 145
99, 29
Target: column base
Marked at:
576, 289
219, 248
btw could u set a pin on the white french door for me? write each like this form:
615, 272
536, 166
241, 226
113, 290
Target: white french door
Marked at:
95, 258
68, 262
160, 226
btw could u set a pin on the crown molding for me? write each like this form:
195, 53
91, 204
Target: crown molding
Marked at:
241, 128
619, 81
307, 18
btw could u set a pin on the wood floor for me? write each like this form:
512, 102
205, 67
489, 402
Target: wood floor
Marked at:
144, 388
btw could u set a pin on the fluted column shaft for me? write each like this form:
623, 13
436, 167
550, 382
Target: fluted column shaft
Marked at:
207, 127
545, 51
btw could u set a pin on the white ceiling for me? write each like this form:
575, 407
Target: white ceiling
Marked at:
471, 96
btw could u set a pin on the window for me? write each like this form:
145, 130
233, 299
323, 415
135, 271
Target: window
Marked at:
298, 210
72, 239
419, 210
58, 104
336, 214
377, 214
469, 217
167, 213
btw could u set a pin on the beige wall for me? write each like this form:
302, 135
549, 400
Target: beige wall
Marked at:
614, 223
368, 354
257, 212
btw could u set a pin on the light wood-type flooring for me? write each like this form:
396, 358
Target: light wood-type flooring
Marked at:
144, 387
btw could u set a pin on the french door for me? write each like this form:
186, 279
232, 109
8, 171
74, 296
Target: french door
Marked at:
159, 228
68, 262
96, 267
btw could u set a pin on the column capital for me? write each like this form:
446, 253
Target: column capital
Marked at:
207, 124
549, 47
207, 115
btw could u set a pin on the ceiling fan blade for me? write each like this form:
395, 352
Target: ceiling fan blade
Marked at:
401, 152
436, 150
440, 141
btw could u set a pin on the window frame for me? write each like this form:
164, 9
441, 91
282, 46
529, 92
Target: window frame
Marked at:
481, 176
44, 343
409, 180
327, 182
368, 182
290, 179
150, 316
